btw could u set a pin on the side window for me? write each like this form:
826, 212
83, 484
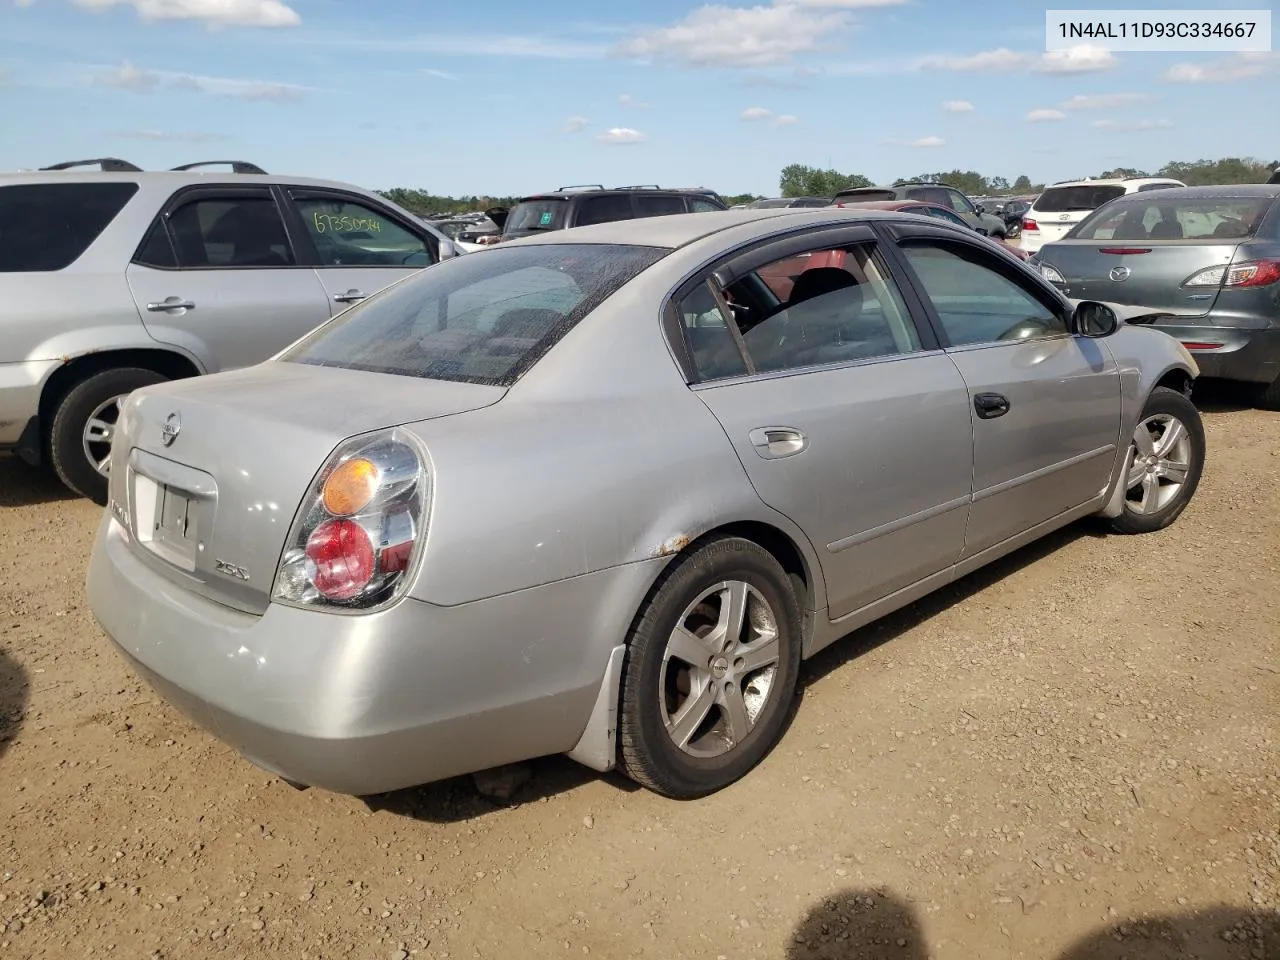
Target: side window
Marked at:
841, 307
351, 234
974, 301
229, 233
698, 205
943, 214
156, 249
47, 226
659, 206
958, 202
715, 352
606, 209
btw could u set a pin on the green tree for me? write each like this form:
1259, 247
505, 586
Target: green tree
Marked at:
1022, 184
966, 181
998, 185
732, 199
797, 180
1122, 172
1200, 173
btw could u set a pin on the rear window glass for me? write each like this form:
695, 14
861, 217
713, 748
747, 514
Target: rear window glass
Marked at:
47, 226
1161, 218
531, 215
478, 319
1085, 197
860, 195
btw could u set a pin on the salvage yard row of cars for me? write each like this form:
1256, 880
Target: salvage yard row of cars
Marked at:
597, 489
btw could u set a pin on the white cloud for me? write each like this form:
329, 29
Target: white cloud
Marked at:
1001, 60
138, 80
785, 120
1104, 101
162, 136
574, 125
958, 106
627, 100
1137, 126
440, 74
621, 135
508, 46
235, 13
928, 142
756, 113
1042, 116
1079, 59
1243, 66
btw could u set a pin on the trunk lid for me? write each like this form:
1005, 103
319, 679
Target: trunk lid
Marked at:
208, 473
1146, 272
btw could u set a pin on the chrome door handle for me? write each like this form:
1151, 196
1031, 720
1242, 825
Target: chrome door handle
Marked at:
170, 303
772, 443
351, 296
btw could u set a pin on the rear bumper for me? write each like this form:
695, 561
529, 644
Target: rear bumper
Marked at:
365, 704
1252, 356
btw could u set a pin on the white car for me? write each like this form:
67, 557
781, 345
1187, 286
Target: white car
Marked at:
1065, 204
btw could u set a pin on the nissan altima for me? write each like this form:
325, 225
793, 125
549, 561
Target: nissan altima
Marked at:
599, 491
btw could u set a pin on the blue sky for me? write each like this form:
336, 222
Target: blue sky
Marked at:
509, 97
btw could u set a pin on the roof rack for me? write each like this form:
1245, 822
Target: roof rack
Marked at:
580, 186
106, 164
237, 166
640, 186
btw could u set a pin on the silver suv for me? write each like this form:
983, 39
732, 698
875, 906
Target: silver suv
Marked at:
117, 278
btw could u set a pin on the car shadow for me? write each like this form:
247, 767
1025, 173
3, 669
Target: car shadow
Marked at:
1222, 396
876, 924
13, 698
22, 485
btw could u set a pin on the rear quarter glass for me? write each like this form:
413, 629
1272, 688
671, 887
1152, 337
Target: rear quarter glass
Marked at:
482, 320
47, 226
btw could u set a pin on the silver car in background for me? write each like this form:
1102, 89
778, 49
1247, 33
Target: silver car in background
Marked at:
599, 491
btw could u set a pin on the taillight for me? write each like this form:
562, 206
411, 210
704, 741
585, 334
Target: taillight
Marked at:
1200, 345
1253, 273
360, 527
1028, 225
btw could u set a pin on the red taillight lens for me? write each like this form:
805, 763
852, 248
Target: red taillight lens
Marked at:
1028, 225
340, 559
1252, 273
1197, 345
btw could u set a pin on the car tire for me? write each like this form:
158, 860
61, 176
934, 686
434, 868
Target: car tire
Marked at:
1155, 495
94, 397
688, 615
1267, 395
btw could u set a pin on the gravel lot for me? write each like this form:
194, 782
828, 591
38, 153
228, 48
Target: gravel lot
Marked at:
1072, 754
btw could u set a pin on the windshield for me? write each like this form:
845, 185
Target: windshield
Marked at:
476, 319
1150, 216
544, 213
1085, 197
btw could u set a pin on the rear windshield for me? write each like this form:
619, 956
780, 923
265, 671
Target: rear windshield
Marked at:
1149, 216
1068, 199
483, 318
47, 226
865, 195
530, 215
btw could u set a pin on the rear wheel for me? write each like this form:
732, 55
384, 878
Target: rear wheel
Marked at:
711, 670
84, 428
1166, 458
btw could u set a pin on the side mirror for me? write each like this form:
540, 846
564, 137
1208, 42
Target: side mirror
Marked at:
448, 250
981, 208
1093, 319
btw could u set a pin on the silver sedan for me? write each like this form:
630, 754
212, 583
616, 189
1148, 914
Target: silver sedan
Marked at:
598, 492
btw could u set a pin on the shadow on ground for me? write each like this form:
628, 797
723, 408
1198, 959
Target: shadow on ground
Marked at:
22, 485
879, 925
13, 698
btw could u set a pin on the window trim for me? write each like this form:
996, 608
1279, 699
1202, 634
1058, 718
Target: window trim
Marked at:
213, 191
735, 264
288, 196
1022, 277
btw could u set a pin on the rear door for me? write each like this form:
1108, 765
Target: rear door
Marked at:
845, 415
218, 276
1045, 403
357, 246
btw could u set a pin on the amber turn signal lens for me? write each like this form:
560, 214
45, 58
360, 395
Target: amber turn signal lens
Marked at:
349, 488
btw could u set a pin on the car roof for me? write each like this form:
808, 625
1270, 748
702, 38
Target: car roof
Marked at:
1110, 182
570, 193
678, 230
1260, 190
889, 204
173, 176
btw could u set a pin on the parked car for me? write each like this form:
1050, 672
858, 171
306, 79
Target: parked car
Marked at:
939, 193
770, 203
1062, 205
601, 491
118, 278
581, 206
1208, 257
469, 234
937, 211
1011, 210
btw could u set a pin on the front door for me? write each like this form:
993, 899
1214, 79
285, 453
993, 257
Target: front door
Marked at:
1045, 403
218, 278
844, 418
359, 248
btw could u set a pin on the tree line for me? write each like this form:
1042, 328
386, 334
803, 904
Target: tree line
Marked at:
798, 180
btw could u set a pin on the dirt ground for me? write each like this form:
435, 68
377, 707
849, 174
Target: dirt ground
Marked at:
1070, 755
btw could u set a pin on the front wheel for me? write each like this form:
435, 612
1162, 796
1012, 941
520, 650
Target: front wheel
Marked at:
711, 670
1163, 467
84, 428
